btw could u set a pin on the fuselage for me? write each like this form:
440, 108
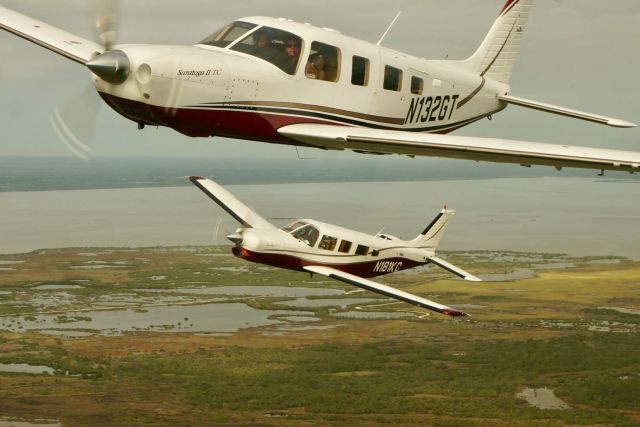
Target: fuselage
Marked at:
309, 242
230, 87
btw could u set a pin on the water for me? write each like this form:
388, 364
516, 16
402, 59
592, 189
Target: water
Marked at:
41, 174
26, 369
178, 318
578, 216
542, 398
254, 291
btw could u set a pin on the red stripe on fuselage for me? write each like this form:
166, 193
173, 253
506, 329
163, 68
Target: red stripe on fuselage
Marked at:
361, 269
250, 125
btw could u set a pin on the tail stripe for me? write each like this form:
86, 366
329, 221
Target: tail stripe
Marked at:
507, 6
426, 230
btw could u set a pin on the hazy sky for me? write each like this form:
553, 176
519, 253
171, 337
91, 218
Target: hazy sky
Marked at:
576, 53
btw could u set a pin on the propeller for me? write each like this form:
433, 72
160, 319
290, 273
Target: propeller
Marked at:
222, 231
74, 120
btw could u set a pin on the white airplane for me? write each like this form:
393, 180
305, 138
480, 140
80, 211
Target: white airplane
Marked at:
284, 82
339, 253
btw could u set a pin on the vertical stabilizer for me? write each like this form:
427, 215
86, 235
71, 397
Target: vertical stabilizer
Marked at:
431, 236
496, 55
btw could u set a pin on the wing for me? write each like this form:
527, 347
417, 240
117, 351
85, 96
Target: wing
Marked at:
227, 201
383, 289
378, 141
66, 44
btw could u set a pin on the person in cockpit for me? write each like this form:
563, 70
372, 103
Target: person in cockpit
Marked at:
293, 47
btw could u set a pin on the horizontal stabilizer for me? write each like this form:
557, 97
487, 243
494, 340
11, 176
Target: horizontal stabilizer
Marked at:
554, 109
453, 269
336, 137
227, 201
56, 40
385, 290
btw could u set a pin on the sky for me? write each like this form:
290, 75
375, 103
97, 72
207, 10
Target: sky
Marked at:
581, 54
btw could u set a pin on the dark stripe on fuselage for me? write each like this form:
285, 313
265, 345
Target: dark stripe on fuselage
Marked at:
297, 106
342, 120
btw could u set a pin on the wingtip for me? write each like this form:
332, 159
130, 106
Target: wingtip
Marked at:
616, 123
195, 178
455, 313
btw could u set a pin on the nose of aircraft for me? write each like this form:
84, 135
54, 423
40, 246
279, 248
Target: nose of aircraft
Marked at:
235, 238
112, 66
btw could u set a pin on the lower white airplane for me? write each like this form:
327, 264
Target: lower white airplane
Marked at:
339, 253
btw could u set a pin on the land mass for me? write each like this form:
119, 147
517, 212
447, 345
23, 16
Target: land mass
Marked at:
194, 336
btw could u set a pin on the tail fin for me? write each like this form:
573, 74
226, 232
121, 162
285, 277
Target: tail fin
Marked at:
496, 55
431, 236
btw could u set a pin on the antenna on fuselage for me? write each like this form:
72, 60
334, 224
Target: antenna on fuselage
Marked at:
389, 28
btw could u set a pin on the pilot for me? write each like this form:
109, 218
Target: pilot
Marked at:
292, 49
315, 67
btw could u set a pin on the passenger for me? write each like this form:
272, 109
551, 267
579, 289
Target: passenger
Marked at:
292, 49
315, 67
261, 40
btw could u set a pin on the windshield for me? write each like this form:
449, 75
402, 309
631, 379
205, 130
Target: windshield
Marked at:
280, 48
293, 226
230, 33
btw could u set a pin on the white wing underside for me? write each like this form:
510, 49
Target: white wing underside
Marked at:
379, 288
377, 141
227, 201
56, 40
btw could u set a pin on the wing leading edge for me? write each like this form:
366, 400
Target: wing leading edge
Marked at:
227, 201
56, 40
378, 141
384, 290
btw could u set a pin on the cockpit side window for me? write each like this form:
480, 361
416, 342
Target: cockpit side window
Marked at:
280, 48
308, 234
323, 62
230, 33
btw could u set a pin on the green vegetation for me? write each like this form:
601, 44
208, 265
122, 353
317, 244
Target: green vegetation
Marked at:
544, 331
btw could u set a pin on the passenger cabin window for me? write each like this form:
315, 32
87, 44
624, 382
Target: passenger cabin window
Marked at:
392, 78
345, 246
280, 48
323, 62
362, 250
359, 71
417, 85
308, 234
328, 243
230, 33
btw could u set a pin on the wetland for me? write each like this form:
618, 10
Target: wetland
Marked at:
193, 336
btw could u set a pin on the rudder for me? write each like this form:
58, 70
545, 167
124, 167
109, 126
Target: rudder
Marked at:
496, 56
